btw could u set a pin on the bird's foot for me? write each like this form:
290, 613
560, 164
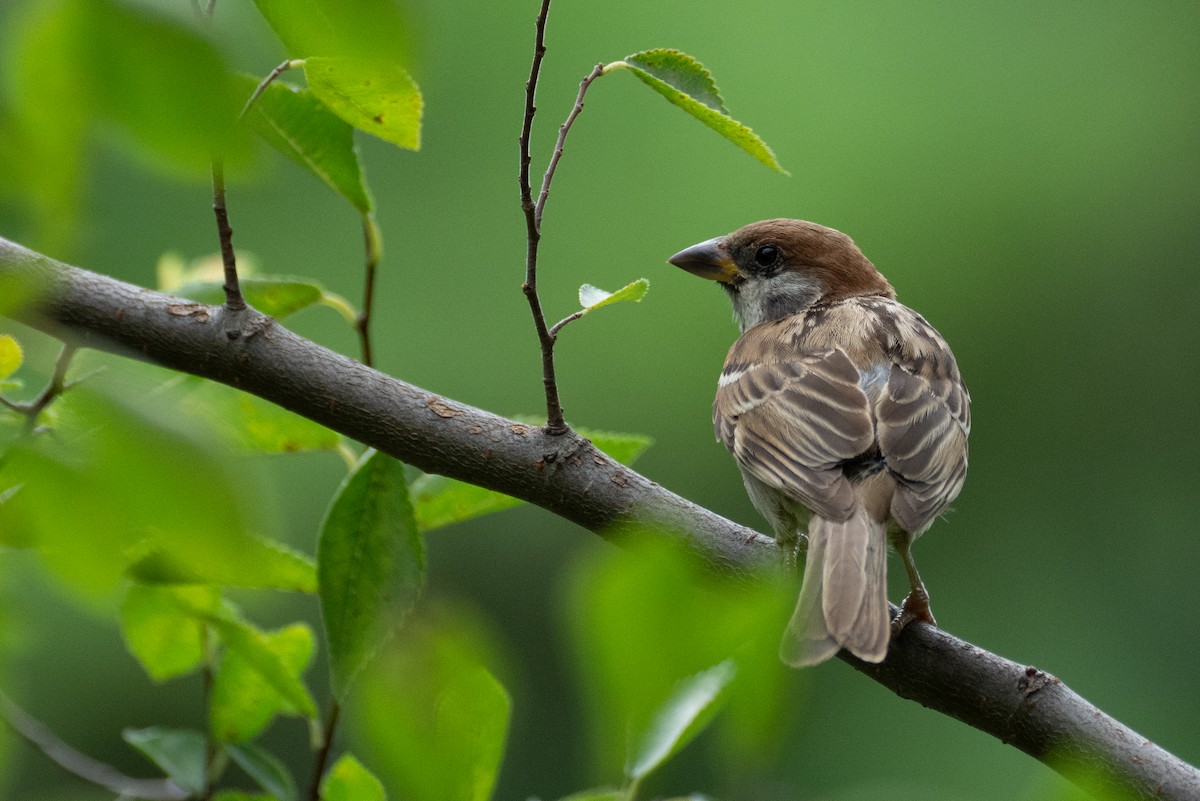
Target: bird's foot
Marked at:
915, 607
791, 548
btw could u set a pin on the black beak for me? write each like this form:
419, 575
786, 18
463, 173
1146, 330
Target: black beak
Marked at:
707, 260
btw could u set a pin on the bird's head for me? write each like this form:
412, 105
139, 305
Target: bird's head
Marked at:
776, 268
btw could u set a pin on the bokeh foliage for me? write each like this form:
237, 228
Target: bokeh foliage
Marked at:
1025, 174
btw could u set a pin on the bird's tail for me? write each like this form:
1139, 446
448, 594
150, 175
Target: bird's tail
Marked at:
843, 601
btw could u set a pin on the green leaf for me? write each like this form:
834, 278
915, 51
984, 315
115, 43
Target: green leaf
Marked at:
132, 74
439, 501
280, 295
241, 795
179, 752
685, 714
366, 30
686, 82
687, 620
118, 475
472, 723
260, 673
166, 638
202, 279
348, 780
382, 100
252, 423
370, 564
597, 794
591, 297
244, 701
266, 769
274, 295
401, 695
11, 356
48, 124
294, 122
259, 563
625, 448
159, 82
682, 73
271, 657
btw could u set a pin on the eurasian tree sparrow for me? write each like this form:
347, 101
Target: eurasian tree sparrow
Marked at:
847, 416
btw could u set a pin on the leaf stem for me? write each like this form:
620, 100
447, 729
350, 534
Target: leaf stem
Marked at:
555, 422
314, 790
570, 318
339, 305
267, 81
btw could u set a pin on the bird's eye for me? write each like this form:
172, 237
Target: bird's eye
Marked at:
766, 255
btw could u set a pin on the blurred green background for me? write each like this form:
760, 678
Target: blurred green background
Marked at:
1026, 174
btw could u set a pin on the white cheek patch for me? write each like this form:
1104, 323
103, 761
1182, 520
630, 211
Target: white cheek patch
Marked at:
759, 300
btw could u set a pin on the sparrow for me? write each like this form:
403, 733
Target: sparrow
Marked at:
847, 416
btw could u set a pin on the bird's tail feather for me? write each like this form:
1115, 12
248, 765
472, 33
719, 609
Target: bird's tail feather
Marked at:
843, 601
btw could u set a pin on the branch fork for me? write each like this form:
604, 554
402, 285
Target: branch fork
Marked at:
547, 336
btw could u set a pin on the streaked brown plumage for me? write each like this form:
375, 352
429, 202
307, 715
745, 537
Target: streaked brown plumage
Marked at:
847, 416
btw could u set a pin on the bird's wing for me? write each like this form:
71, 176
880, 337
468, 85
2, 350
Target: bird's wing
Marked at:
791, 419
923, 418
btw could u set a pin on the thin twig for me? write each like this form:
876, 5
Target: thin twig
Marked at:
539, 52
362, 323
570, 318
58, 380
210, 744
267, 81
233, 291
555, 422
314, 789
54, 387
82, 765
563, 130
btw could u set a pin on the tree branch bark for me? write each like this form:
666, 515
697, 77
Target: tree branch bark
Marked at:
1019, 705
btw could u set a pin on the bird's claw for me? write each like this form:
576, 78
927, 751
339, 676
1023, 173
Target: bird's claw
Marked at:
915, 607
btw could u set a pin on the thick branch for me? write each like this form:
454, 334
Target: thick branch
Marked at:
1022, 706
247, 350
1031, 710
